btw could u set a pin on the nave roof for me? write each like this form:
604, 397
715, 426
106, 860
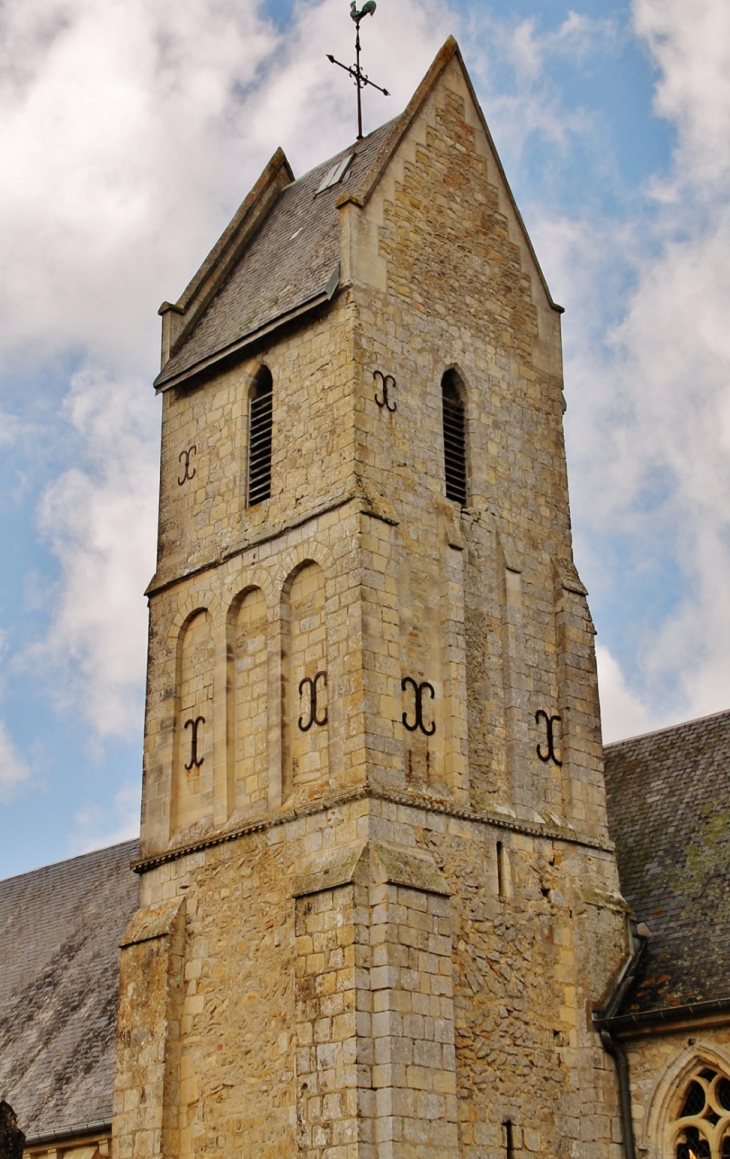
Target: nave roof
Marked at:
60, 928
668, 798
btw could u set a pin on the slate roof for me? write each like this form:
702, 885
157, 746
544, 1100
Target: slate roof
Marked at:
668, 796
59, 975
288, 262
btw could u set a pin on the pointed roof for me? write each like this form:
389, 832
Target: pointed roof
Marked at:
280, 256
290, 264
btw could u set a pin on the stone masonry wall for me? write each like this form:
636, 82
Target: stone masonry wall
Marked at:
376, 1069
292, 762
248, 688
192, 787
151, 1081
414, 1063
274, 990
332, 950
453, 285
305, 706
205, 518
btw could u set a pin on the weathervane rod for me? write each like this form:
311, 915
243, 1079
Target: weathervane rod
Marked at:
358, 70
360, 78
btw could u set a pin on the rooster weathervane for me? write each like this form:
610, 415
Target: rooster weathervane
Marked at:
360, 78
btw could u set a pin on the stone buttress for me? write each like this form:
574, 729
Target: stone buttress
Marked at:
378, 899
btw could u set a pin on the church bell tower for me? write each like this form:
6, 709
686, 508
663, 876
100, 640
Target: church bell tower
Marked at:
378, 898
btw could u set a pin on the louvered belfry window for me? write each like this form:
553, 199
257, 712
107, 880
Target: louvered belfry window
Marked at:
454, 439
259, 438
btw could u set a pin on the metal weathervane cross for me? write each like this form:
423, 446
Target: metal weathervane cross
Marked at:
360, 78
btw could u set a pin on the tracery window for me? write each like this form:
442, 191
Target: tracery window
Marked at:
701, 1129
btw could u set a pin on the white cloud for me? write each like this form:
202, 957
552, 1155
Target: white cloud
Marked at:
690, 44
308, 104
130, 132
518, 66
622, 712
97, 829
13, 769
100, 523
114, 121
649, 391
577, 37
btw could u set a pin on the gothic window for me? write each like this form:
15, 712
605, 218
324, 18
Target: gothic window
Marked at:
259, 438
454, 438
701, 1129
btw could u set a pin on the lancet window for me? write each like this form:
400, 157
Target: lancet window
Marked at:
701, 1129
454, 438
260, 417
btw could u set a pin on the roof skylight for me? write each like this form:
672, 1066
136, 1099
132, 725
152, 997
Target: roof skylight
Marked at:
335, 173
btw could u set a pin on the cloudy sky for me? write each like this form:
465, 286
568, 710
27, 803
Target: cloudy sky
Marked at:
130, 130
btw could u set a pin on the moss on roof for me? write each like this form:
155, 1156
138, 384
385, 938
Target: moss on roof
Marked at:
668, 797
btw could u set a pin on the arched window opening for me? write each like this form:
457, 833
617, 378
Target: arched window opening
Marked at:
701, 1129
259, 438
454, 439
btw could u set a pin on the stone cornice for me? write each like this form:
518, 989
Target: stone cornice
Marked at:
256, 541
375, 793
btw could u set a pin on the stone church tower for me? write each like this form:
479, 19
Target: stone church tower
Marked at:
378, 899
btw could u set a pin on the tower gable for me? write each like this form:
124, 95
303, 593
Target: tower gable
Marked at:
440, 162
287, 249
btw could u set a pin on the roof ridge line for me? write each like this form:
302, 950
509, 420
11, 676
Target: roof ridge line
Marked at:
180, 318
353, 147
667, 728
67, 860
